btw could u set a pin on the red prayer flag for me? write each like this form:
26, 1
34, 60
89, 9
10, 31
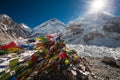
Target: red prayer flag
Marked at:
63, 55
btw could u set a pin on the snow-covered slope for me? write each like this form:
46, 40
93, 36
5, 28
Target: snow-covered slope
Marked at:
102, 29
26, 29
95, 51
49, 27
9, 30
98, 18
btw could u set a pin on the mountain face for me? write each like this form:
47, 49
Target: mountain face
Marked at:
9, 30
101, 29
27, 30
49, 27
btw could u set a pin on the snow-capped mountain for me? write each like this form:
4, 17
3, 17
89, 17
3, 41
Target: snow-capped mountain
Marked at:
9, 30
49, 27
102, 29
26, 28
98, 18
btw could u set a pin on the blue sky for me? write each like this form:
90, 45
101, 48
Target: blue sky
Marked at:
35, 12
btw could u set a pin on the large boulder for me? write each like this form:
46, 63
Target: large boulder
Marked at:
111, 61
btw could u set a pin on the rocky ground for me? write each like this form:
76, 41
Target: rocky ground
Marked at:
103, 71
100, 71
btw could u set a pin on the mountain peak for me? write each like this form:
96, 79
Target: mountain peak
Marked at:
4, 15
25, 27
100, 13
49, 27
54, 20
